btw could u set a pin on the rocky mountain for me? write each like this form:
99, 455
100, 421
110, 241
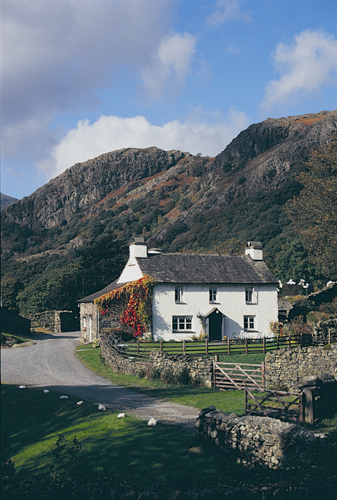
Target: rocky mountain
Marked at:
176, 200
6, 200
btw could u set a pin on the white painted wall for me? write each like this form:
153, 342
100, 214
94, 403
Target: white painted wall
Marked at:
231, 301
131, 271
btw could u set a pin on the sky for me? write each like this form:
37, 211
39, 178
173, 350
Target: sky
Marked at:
84, 77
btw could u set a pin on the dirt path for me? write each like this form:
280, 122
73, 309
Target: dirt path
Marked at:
51, 364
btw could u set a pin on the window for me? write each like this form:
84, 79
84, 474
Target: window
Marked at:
249, 295
178, 294
249, 323
182, 323
212, 294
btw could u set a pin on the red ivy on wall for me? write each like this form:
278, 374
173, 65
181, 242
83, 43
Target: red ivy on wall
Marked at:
138, 311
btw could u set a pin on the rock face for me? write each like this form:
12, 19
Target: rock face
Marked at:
6, 200
259, 159
85, 184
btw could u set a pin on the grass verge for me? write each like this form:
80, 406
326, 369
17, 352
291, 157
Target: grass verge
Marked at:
110, 453
198, 397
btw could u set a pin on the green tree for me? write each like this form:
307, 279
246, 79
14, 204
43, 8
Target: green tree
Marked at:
314, 212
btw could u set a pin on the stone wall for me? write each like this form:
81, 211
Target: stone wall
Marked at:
261, 440
54, 321
168, 367
285, 368
325, 332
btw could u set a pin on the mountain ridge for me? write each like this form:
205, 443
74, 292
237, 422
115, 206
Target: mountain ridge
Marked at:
177, 201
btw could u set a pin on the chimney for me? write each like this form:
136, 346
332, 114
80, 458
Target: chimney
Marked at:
138, 248
254, 250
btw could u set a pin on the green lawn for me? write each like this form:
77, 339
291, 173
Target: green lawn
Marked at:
126, 449
199, 397
120, 453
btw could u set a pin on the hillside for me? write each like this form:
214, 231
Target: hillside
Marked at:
70, 237
6, 200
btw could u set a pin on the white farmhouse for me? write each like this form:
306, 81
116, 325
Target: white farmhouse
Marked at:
220, 295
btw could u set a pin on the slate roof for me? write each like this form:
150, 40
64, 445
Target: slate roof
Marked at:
206, 268
185, 268
109, 288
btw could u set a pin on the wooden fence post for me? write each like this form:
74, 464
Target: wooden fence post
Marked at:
263, 370
184, 347
206, 345
229, 346
264, 345
161, 346
246, 345
289, 338
278, 342
329, 335
137, 347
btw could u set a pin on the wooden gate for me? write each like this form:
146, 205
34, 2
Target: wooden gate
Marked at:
238, 376
275, 404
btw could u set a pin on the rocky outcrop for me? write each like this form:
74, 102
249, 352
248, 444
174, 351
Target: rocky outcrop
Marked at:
6, 200
85, 184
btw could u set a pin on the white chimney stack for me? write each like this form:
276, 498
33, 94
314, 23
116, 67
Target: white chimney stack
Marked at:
254, 250
138, 248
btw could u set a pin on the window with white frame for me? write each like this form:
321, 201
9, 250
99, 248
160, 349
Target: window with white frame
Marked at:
249, 323
249, 295
182, 323
178, 294
212, 295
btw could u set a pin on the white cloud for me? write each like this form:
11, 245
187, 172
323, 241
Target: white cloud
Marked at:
305, 67
228, 10
110, 133
171, 64
55, 54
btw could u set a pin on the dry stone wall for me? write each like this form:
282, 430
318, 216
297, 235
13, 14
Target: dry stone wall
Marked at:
286, 368
168, 367
54, 321
261, 440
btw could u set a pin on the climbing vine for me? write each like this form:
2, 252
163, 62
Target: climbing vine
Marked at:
137, 296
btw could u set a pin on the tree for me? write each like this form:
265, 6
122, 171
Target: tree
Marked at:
314, 212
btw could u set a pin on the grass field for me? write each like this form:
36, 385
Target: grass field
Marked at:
109, 452
97, 451
199, 397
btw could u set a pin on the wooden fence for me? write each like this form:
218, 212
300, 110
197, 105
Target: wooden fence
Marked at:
238, 376
138, 349
275, 404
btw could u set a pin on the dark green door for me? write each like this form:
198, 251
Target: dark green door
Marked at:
215, 325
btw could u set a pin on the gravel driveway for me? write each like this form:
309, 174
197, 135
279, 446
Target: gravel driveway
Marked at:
51, 364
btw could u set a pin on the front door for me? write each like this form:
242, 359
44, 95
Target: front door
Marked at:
215, 325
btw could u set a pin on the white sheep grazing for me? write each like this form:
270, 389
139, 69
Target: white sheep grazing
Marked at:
152, 422
63, 397
121, 415
79, 403
101, 407
46, 391
22, 387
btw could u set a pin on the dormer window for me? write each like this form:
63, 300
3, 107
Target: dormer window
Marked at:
178, 294
212, 295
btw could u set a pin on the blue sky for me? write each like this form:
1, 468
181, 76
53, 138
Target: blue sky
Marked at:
84, 77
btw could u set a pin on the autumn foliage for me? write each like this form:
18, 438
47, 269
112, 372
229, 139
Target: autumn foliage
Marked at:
137, 300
